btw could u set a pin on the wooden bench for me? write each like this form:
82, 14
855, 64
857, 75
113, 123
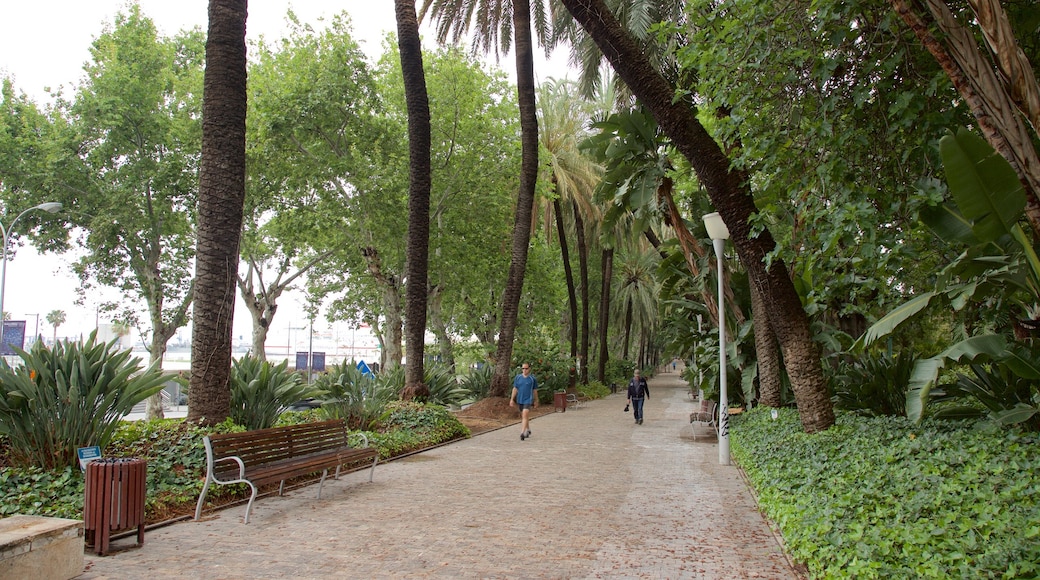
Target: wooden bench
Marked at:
266, 456
708, 414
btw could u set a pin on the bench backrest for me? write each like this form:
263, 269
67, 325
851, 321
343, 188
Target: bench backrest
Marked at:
276, 443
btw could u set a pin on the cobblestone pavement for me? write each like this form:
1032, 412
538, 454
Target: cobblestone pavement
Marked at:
588, 495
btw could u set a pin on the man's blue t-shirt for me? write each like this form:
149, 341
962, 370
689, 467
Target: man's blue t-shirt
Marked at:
525, 387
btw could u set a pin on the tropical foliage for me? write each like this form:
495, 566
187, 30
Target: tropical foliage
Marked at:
260, 391
70, 396
883, 497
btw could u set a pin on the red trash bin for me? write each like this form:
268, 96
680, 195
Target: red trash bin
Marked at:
560, 402
114, 500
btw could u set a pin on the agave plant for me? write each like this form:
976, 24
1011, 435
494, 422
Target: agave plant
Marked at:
260, 391
71, 396
353, 396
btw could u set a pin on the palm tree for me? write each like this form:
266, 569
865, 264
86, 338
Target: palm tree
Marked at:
489, 16
730, 193
55, 318
222, 179
574, 178
418, 195
636, 292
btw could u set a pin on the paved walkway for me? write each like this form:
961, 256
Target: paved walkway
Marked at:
589, 495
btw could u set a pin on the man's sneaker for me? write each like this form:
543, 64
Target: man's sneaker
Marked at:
523, 435
528, 432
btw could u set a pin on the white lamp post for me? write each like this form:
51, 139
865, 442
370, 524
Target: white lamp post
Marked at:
719, 233
51, 207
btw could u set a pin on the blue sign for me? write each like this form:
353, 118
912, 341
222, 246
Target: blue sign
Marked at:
361, 366
317, 360
14, 335
87, 454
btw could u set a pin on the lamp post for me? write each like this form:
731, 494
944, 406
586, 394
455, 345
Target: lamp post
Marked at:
50, 207
719, 233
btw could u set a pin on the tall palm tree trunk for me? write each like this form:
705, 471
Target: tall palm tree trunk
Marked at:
417, 269
583, 271
730, 193
767, 352
607, 267
568, 274
525, 88
222, 187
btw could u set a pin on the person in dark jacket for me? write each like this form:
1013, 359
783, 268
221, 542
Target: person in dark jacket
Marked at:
637, 390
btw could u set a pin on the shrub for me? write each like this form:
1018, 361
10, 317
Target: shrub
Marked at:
356, 398
260, 391
68, 397
477, 382
874, 385
445, 388
594, 390
883, 497
433, 422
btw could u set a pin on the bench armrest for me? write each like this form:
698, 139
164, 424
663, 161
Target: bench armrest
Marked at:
363, 438
241, 469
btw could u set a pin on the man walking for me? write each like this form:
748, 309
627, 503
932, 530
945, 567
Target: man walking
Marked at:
637, 389
525, 394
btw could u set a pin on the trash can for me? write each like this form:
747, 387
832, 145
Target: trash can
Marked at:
560, 401
114, 500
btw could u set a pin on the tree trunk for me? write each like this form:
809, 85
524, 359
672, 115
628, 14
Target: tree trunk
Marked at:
525, 88
440, 329
222, 187
628, 329
607, 267
418, 195
583, 268
730, 193
572, 298
767, 352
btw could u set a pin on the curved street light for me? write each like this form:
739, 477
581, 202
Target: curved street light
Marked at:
719, 233
49, 207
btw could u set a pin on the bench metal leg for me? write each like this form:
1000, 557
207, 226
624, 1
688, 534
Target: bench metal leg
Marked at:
202, 497
252, 497
372, 471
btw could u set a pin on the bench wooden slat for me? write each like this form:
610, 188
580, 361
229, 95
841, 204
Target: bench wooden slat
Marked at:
280, 453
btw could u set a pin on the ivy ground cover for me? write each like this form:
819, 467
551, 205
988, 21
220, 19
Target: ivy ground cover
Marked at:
886, 498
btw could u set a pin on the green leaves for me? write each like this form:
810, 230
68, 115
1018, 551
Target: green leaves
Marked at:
68, 397
260, 391
985, 187
884, 498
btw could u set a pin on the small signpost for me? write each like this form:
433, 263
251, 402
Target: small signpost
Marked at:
86, 455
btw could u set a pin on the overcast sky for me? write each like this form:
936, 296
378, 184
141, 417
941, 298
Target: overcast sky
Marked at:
44, 44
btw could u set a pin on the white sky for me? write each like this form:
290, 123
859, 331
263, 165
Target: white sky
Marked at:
44, 43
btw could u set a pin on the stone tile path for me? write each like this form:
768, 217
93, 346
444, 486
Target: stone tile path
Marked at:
589, 495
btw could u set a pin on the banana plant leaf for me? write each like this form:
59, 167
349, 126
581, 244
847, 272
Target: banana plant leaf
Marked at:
983, 184
926, 371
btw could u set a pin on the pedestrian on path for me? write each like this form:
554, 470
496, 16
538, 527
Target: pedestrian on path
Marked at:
525, 395
637, 389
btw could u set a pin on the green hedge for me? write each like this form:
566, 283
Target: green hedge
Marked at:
884, 498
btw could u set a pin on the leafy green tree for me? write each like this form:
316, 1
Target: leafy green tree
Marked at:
315, 134
730, 193
121, 157
222, 176
489, 18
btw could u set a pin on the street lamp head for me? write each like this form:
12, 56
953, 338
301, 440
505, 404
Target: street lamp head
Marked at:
717, 229
50, 207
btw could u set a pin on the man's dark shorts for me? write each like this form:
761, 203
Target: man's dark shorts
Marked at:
525, 406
